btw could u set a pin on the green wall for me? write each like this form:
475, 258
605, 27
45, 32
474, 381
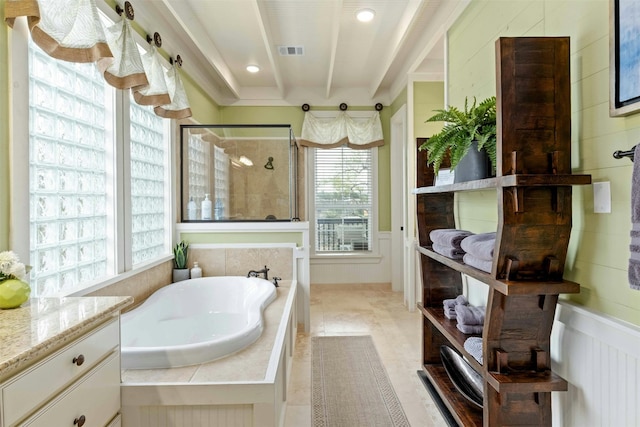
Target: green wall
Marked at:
203, 107
599, 247
427, 96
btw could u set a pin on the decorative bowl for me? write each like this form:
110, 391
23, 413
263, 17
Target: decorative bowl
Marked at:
465, 379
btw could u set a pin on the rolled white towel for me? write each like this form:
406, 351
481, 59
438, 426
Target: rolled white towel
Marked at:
473, 345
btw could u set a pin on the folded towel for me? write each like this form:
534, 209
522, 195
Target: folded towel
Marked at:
450, 313
634, 248
480, 245
470, 315
469, 329
449, 252
473, 345
477, 263
448, 237
451, 303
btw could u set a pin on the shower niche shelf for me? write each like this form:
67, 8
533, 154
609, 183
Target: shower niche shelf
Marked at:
533, 188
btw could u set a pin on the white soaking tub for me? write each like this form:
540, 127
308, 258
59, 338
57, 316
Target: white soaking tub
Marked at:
194, 321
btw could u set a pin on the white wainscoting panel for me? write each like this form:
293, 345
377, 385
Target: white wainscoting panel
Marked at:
355, 269
600, 358
204, 415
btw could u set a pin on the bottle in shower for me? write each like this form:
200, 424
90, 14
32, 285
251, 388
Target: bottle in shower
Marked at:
206, 207
191, 209
219, 209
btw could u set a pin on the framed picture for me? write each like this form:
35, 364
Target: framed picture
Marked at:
624, 56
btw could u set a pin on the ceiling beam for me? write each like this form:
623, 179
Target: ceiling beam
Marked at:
198, 36
411, 13
446, 15
335, 33
267, 38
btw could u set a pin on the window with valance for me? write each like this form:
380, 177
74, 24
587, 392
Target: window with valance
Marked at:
98, 162
73, 31
342, 188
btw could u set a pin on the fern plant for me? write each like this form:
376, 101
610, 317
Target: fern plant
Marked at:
475, 123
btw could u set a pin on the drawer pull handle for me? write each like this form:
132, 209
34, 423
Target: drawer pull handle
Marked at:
79, 421
79, 360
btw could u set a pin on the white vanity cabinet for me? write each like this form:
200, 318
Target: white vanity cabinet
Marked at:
76, 384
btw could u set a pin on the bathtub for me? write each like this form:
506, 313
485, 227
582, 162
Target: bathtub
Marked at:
194, 321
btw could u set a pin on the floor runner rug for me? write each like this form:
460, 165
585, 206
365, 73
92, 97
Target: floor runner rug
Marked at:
349, 385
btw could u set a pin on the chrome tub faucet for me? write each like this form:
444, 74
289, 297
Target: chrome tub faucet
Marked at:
256, 273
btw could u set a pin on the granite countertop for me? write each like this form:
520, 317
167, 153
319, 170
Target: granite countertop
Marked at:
42, 325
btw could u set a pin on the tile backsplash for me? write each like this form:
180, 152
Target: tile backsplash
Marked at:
214, 262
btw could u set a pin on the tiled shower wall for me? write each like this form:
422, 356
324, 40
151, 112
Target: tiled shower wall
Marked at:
214, 262
238, 261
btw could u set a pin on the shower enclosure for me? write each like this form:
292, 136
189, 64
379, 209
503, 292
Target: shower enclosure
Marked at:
240, 172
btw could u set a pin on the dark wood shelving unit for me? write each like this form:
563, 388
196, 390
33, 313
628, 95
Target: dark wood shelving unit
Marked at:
461, 410
533, 187
448, 329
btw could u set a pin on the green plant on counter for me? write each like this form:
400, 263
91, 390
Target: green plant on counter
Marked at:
180, 255
475, 123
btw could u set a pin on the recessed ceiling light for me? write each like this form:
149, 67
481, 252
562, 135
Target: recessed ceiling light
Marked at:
253, 68
365, 15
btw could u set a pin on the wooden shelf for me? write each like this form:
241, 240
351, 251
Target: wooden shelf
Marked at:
534, 201
482, 184
503, 286
526, 382
448, 328
521, 180
464, 412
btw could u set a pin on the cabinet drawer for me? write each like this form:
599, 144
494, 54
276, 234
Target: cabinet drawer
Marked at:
96, 397
28, 390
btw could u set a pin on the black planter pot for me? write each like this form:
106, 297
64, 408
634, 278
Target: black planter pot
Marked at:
473, 166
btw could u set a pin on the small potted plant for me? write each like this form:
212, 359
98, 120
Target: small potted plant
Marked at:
468, 137
180, 270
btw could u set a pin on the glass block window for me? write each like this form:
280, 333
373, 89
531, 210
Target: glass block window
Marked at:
149, 183
199, 170
342, 193
221, 191
71, 132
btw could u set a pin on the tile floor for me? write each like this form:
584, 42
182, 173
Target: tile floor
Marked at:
364, 310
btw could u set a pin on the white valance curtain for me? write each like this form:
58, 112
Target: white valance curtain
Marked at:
341, 130
156, 92
66, 29
124, 70
71, 30
179, 106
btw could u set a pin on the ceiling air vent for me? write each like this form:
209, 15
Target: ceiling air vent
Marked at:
291, 50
